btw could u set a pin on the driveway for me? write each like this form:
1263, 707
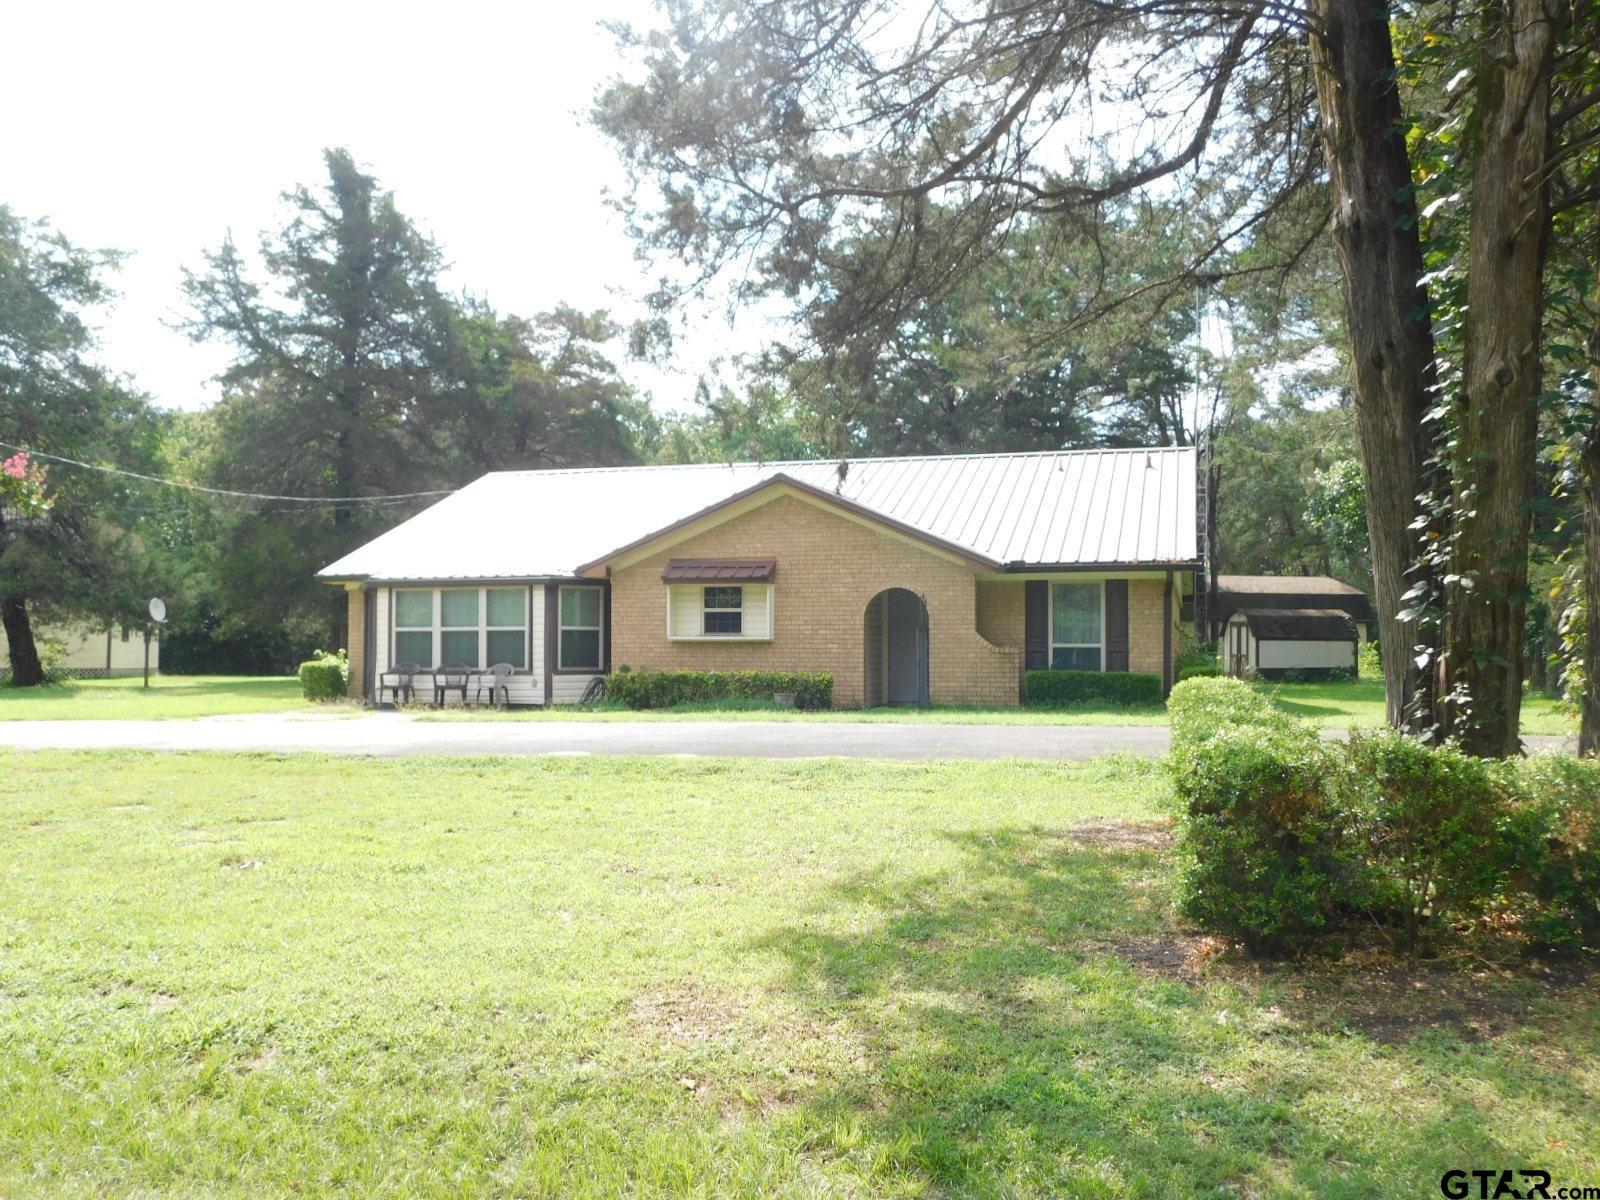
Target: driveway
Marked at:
393, 734
397, 734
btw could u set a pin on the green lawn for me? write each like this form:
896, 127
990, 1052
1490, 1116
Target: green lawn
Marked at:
1359, 702
168, 696
248, 976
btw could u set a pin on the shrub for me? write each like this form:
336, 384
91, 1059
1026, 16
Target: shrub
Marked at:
1429, 817
1201, 708
1261, 844
663, 689
1199, 671
1055, 688
1551, 849
325, 676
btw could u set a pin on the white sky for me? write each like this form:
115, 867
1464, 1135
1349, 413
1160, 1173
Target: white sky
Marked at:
155, 128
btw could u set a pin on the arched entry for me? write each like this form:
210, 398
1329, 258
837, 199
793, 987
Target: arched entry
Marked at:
896, 641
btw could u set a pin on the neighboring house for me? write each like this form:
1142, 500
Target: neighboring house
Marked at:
910, 580
1273, 642
89, 653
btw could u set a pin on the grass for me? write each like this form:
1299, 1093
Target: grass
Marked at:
1360, 703
168, 696
242, 976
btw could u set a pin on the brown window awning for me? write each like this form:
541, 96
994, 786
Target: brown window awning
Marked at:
720, 570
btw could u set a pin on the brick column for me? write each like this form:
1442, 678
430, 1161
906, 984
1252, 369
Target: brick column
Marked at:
357, 641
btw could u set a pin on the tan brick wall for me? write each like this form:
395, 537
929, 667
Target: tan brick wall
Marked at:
829, 568
1002, 619
357, 642
1002, 613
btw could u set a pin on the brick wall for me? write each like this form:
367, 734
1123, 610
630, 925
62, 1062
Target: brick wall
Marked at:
829, 569
357, 642
1002, 619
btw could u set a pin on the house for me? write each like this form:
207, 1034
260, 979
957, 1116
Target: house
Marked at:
911, 580
88, 653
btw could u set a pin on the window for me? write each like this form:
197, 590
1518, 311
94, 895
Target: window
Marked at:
505, 638
413, 627
475, 626
578, 639
722, 610
1075, 621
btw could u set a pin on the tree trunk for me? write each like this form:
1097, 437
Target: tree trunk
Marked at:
1497, 412
26, 669
1386, 310
1589, 730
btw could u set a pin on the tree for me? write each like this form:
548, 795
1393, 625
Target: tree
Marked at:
66, 549
330, 393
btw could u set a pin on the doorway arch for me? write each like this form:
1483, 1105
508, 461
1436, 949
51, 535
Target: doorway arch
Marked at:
895, 628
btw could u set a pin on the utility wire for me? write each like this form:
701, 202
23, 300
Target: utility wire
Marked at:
197, 487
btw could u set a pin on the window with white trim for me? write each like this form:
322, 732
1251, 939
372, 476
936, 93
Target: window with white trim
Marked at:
476, 627
1077, 623
578, 635
722, 611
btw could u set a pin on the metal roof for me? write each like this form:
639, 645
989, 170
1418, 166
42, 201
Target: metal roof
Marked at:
1068, 508
707, 570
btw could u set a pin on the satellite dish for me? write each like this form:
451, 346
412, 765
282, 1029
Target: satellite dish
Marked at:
158, 609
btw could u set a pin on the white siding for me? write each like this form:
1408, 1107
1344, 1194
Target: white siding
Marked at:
1306, 655
569, 689
685, 610
526, 687
86, 649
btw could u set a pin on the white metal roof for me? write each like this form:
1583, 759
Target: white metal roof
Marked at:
1062, 508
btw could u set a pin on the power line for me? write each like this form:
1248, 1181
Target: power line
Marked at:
331, 501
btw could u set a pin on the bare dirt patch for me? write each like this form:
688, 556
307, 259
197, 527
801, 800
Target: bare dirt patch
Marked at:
684, 1015
1121, 835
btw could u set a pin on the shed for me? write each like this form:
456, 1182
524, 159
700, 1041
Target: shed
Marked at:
1272, 642
1280, 592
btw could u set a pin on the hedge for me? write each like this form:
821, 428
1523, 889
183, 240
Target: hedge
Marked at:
664, 689
1055, 688
325, 677
1285, 839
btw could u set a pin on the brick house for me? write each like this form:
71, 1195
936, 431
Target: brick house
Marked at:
939, 579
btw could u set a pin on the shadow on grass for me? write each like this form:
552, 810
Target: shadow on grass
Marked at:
1017, 1041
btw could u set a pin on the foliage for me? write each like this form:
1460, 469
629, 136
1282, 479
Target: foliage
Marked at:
1337, 507
1199, 670
1200, 709
1552, 856
1428, 817
664, 689
325, 676
1259, 840
68, 547
1053, 688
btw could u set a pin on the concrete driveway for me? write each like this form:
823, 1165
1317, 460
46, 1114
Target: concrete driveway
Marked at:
398, 734
393, 734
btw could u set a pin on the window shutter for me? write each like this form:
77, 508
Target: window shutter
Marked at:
1036, 637
685, 602
1116, 624
757, 611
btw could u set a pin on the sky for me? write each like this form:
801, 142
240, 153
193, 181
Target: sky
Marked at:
157, 128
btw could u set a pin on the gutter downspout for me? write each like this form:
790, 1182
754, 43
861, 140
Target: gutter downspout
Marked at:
1166, 640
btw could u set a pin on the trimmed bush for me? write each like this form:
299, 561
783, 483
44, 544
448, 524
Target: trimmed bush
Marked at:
1429, 819
1050, 689
664, 689
1202, 670
325, 676
1202, 708
1261, 843
1552, 850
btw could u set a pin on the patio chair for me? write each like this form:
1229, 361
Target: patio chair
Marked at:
498, 680
451, 677
401, 679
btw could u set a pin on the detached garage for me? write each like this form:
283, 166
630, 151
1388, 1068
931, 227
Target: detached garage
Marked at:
1271, 642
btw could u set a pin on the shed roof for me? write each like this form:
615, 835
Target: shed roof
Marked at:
1299, 624
708, 570
1055, 509
1289, 591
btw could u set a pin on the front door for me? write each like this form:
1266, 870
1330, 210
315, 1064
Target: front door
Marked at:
905, 639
